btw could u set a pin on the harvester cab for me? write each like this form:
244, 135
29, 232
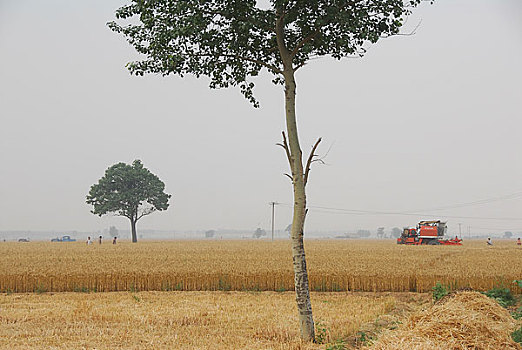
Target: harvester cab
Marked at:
427, 232
431, 229
409, 232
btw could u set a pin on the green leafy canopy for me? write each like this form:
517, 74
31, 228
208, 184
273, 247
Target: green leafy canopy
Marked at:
231, 41
128, 190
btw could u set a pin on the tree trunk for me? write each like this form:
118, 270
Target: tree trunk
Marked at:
302, 289
133, 230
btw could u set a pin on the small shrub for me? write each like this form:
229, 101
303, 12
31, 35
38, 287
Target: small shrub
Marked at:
251, 289
503, 296
41, 289
137, 298
517, 315
166, 287
321, 333
81, 289
338, 345
223, 285
517, 335
364, 338
439, 291
133, 288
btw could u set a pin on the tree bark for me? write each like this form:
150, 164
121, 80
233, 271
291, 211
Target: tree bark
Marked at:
133, 230
302, 290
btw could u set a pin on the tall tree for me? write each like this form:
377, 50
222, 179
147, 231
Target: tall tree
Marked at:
231, 41
127, 190
259, 232
113, 231
396, 232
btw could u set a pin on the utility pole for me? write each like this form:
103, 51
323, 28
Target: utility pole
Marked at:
273, 204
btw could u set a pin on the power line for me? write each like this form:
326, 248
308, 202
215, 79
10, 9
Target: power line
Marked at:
345, 211
477, 202
513, 195
497, 229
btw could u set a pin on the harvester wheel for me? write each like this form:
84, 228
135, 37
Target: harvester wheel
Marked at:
433, 242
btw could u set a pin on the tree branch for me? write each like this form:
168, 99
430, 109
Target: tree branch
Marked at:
267, 65
286, 148
304, 41
312, 58
310, 160
145, 212
413, 32
280, 38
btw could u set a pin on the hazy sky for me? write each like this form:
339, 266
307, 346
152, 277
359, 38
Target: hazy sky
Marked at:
421, 122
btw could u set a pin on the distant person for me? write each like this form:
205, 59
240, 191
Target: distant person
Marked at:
489, 241
518, 241
89, 242
114, 240
100, 239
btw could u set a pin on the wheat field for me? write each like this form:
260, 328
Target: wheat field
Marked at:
334, 265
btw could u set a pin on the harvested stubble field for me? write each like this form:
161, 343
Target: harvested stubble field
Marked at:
334, 265
178, 320
460, 321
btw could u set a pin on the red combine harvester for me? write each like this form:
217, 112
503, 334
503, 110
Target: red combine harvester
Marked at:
427, 232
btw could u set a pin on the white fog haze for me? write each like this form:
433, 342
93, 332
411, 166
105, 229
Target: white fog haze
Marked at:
424, 126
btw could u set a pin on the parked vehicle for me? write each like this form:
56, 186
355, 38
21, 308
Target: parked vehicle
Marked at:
23, 240
63, 239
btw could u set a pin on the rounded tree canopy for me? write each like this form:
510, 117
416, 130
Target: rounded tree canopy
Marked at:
127, 190
232, 41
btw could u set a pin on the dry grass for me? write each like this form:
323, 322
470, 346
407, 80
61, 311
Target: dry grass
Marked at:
176, 320
466, 320
334, 265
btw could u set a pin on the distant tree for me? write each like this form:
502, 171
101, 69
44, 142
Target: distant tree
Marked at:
396, 232
363, 233
232, 41
380, 232
131, 191
508, 234
210, 233
259, 232
113, 231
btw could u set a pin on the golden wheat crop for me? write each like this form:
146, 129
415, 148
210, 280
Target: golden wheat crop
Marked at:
177, 320
334, 265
